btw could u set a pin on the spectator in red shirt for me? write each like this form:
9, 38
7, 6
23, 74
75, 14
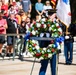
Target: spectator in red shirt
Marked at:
3, 27
4, 7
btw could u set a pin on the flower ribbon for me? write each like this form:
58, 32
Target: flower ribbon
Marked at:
60, 39
27, 36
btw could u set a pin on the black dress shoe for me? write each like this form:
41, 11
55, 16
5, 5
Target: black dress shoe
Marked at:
21, 57
70, 63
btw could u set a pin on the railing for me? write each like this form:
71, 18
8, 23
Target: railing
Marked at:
35, 38
14, 40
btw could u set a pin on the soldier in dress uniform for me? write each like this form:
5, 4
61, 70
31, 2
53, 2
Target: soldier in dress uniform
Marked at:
68, 46
44, 62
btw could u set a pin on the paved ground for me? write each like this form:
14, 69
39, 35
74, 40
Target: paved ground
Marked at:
17, 67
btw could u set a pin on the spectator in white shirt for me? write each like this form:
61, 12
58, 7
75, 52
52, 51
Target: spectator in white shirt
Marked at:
46, 7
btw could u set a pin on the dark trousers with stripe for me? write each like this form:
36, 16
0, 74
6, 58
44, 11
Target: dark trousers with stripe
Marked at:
44, 64
68, 51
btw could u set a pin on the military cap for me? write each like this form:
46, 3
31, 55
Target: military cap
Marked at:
51, 11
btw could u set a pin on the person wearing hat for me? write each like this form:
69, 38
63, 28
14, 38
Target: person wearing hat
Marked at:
68, 45
44, 62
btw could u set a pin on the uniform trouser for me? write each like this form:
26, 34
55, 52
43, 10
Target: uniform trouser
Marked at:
44, 64
68, 51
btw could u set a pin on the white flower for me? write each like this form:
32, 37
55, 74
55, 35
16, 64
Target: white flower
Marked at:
37, 47
54, 35
59, 29
48, 50
41, 58
43, 52
37, 32
36, 42
34, 32
50, 45
37, 20
44, 49
33, 41
49, 28
49, 55
44, 25
57, 24
42, 22
38, 24
30, 46
43, 19
33, 48
52, 25
54, 29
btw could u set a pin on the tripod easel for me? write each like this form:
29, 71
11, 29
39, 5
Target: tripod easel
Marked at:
39, 38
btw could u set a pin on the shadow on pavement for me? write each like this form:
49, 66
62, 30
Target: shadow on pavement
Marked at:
64, 63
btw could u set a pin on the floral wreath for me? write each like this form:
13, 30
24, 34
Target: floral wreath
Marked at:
38, 28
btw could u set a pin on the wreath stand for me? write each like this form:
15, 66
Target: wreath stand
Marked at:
57, 55
33, 66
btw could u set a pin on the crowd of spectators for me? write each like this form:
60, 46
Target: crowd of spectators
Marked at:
15, 18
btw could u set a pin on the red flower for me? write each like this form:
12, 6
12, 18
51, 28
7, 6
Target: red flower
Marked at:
38, 54
42, 26
52, 41
34, 23
58, 26
34, 45
30, 34
45, 55
53, 50
36, 28
48, 25
59, 33
60, 42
